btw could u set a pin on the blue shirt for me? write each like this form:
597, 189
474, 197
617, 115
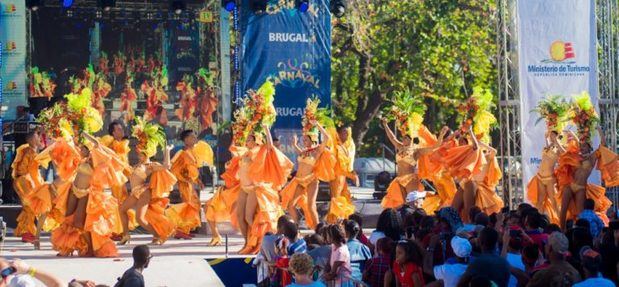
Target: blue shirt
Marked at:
298, 246
595, 223
359, 254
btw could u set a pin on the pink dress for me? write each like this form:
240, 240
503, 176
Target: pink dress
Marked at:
344, 273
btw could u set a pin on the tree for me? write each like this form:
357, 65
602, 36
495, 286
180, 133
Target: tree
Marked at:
436, 48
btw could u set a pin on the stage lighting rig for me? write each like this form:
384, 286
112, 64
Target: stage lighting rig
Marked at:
177, 6
34, 4
302, 5
106, 5
337, 7
259, 6
229, 5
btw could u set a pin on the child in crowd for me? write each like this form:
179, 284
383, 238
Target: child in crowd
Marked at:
302, 266
377, 267
359, 253
407, 266
339, 273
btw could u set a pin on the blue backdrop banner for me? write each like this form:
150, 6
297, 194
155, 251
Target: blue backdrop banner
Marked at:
291, 48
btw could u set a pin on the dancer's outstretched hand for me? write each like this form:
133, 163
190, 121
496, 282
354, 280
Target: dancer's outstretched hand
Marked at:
169, 147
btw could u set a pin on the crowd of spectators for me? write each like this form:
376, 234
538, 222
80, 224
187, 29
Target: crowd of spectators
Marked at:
411, 248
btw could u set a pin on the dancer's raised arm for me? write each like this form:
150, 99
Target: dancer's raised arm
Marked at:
269, 138
390, 135
326, 138
295, 144
473, 138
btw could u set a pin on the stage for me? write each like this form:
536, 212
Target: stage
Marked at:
176, 263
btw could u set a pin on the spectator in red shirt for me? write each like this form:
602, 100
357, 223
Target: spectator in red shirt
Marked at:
534, 232
407, 268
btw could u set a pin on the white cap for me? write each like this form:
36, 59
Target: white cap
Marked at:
461, 246
415, 195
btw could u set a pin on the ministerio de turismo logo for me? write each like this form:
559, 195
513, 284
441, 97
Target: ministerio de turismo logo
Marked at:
560, 61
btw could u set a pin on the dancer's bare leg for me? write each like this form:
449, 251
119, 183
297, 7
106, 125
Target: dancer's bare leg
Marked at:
312, 193
565, 205
468, 196
240, 212
129, 203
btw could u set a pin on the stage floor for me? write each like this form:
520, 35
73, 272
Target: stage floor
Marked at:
176, 263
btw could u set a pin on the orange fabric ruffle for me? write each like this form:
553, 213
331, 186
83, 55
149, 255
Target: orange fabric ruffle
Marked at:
270, 165
394, 197
463, 161
221, 206
121, 148
487, 199
64, 155
161, 183
608, 164
547, 208
66, 239
232, 169
102, 219
287, 197
267, 213
445, 192
156, 217
598, 194
340, 207
56, 215
25, 222
567, 164
185, 167
324, 168
186, 215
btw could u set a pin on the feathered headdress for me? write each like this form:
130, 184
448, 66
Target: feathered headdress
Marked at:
554, 110
255, 110
149, 135
408, 112
476, 112
314, 113
585, 117
72, 118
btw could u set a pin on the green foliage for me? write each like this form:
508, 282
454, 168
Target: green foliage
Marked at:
435, 49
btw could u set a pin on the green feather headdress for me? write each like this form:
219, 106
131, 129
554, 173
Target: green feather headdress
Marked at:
150, 136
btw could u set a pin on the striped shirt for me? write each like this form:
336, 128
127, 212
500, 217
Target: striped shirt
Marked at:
298, 246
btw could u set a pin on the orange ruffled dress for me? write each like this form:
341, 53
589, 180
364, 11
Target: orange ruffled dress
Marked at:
395, 196
323, 170
608, 164
102, 216
51, 199
26, 179
429, 167
486, 197
121, 148
222, 205
268, 170
186, 215
160, 185
341, 205
533, 193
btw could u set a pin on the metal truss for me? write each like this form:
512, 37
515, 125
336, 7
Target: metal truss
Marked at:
607, 15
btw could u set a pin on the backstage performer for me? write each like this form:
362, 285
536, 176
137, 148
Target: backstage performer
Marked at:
151, 184
26, 179
263, 169
343, 147
473, 163
577, 163
542, 188
315, 163
607, 163
186, 166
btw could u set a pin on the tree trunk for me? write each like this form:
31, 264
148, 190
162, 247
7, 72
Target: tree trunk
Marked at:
364, 117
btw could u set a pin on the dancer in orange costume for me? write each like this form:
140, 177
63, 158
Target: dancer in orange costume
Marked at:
127, 97
149, 197
315, 163
542, 188
430, 168
577, 163
476, 170
263, 169
407, 154
185, 167
91, 213
26, 179
341, 206
222, 206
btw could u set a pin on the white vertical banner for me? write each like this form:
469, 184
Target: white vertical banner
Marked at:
13, 71
557, 56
